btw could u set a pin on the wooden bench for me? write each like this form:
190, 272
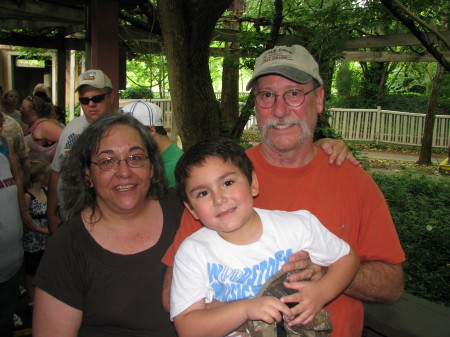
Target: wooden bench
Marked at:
411, 316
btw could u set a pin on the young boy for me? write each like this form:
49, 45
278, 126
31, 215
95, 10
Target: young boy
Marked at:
241, 247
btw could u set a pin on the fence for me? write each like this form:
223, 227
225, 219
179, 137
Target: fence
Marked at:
362, 124
388, 126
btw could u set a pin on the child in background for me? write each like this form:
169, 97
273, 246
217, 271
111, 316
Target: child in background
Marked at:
36, 201
241, 247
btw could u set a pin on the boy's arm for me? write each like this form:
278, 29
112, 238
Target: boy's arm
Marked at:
313, 295
197, 321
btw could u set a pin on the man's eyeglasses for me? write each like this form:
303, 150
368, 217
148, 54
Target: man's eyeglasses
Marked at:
112, 164
293, 98
95, 99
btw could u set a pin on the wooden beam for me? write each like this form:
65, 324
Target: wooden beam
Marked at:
389, 57
26, 24
30, 10
43, 42
391, 40
228, 35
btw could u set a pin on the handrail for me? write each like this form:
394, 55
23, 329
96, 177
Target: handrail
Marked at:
410, 316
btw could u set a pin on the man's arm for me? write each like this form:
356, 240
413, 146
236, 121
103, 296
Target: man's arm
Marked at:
52, 202
376, 281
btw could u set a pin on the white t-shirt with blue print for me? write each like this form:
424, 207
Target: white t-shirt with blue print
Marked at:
209, 267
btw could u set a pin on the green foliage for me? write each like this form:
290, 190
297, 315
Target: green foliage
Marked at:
345, 79
35, 53
136, 93
147, 70
402, 102
76, 112
398, 148
420, 207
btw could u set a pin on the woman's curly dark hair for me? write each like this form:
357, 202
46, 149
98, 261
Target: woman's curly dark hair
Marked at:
77, 193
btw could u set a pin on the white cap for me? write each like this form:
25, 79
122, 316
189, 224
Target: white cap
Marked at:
294, 63
147, 113
95, 78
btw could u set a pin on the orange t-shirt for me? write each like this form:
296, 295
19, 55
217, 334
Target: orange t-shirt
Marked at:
345, 199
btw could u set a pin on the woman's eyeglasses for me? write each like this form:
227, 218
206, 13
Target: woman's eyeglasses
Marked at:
96, 99
112, 164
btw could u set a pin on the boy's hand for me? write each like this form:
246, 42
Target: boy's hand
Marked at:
310, 301
268, 309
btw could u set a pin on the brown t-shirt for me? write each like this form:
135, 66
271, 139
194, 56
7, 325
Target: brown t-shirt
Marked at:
119, 295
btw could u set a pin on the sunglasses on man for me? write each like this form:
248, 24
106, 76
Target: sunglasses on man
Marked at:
95, 99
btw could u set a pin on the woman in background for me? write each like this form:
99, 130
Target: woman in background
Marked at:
43, 130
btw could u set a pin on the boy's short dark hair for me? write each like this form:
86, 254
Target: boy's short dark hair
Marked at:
224, 148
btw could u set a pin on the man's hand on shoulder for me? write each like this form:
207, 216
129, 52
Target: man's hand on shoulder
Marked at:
337, 151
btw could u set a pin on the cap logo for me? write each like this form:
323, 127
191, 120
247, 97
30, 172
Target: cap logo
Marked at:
277, 54
88, 76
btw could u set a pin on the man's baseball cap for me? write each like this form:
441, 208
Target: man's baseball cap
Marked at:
95, 78
147, 113
294, 63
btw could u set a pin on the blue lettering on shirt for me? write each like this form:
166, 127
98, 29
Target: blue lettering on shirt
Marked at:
235, 284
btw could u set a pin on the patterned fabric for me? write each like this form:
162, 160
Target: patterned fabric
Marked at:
34, 241
13, 131
44, 142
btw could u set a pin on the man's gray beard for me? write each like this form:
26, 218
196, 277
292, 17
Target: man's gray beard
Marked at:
306, 132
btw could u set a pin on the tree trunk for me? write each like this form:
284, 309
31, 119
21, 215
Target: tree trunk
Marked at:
427, 139
230, 88
375, 82
187, 29
230, 76
247, 110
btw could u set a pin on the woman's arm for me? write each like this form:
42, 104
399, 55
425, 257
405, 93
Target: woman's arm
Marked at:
26, 217
53, 318
48, 130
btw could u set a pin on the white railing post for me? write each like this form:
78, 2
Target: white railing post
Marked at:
378, 124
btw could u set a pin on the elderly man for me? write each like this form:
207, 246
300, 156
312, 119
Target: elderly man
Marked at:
294, 173
94, 90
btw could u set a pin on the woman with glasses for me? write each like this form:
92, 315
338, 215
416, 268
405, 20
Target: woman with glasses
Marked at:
43, 130
101, 274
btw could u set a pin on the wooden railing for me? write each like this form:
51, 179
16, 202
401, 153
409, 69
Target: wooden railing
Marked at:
388, 126
361, 124
411, 316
